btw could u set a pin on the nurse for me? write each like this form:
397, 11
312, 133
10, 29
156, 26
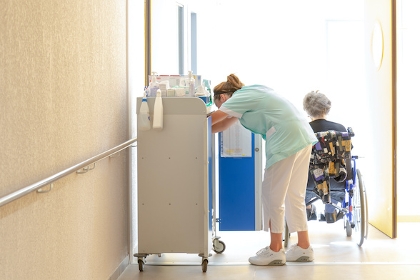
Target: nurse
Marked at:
289, 140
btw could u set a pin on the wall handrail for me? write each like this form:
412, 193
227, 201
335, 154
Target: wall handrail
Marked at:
24, 191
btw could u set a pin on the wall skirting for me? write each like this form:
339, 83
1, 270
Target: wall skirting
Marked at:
120, 269
133, 259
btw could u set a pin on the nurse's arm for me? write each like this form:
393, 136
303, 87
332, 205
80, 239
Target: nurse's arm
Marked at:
221, 121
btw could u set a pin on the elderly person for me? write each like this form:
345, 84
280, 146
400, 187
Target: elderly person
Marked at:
289, 140
317, 105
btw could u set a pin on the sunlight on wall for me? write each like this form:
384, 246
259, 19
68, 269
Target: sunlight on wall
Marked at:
408, 59
292, 49
283, 47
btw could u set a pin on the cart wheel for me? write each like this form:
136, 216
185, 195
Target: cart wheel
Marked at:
219, 246
204, 265
348, 228
141, 264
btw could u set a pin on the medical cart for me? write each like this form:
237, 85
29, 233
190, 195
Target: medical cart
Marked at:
175, 182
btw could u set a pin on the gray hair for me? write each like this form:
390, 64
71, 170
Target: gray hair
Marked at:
316, 104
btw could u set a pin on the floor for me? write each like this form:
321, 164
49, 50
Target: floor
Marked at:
336, 257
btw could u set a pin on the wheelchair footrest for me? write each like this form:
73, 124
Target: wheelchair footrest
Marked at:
333, 217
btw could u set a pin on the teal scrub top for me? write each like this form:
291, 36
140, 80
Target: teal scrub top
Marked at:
261, 110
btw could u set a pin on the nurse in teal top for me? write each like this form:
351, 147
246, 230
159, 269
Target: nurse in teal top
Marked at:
289, 139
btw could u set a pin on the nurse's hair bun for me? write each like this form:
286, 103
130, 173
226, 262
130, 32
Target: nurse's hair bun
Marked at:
234, 81
231, 85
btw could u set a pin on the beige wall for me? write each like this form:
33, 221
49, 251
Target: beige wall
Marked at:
63, 98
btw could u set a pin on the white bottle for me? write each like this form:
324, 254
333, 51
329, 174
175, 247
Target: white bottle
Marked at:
191, 84
144, 119
158, 112
201, 91
153, 86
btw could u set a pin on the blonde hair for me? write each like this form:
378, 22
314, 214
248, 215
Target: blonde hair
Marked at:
231, 85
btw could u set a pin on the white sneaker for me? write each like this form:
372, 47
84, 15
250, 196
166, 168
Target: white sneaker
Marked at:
297, 254
266, 256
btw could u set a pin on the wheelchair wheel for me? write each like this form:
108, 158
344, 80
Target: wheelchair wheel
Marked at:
365, 207
348, 228
360, 209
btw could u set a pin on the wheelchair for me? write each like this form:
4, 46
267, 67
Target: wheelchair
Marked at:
331, 159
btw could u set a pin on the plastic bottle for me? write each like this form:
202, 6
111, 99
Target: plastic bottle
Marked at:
144, 120
153, 86
191, 84
158, 112
203, 94
201, 91
208, 90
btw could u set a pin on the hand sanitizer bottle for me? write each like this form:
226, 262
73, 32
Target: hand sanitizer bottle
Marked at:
144, 119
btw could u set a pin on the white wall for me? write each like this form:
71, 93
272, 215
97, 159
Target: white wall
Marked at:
408, 98
289, 45
164, 35
281, 45
292, 46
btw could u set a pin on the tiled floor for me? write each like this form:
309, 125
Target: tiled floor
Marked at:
336, 257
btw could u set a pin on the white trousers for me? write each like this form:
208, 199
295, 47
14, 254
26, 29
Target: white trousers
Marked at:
283, 193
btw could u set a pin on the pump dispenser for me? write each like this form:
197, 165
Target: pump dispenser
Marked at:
144, 120
191, 84
158, 112
153, 86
